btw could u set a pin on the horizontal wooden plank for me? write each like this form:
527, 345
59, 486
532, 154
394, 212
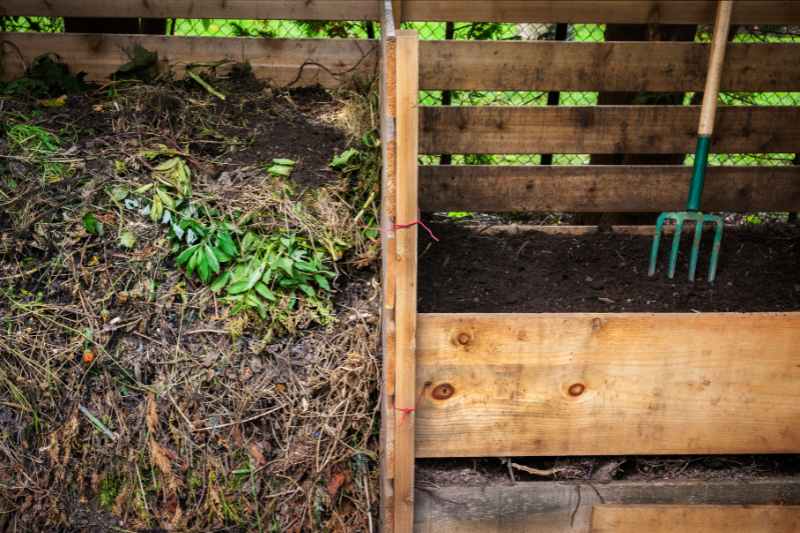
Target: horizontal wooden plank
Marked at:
706, 518
300, 62
556, 507
594, 188
228, 9
613, 66
609, 11
604, 129
607, 384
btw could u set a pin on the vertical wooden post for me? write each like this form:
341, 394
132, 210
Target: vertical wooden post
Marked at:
406, 276
388, 250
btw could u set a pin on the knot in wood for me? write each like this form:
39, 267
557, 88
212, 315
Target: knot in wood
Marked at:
443, 391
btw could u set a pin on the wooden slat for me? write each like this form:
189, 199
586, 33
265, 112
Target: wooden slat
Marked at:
706, 518
407, 58
604, 129
601, 189
613, 66
556, 507
277, 60
608, 384
388, 251
619, 11
609, 11
229, 9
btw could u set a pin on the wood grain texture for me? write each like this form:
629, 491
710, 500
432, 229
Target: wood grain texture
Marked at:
228, 9
705, 518
279, 61
600, 189
604, 129
558, 507
608, 384
618, 11
388, 87
612, 66
609, 11
407, 64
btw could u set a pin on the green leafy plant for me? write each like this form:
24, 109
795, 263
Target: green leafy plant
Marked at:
37, 146
281, 168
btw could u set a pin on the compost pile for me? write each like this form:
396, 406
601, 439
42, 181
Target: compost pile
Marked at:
154, 374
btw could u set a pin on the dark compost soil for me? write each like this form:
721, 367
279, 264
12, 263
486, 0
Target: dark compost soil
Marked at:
471, 271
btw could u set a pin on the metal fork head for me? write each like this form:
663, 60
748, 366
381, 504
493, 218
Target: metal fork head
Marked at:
700, 219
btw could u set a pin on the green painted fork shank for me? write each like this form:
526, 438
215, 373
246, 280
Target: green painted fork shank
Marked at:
692, 214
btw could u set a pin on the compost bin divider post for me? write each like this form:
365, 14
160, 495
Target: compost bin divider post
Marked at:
388, 215
406, 276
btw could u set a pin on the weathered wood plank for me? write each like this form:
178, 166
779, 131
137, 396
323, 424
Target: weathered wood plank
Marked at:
228, 9
280, 61
608, 11
556, 507
614, 66
407, 64
388, 251
706, 518
602, 189
608, 384
604, 129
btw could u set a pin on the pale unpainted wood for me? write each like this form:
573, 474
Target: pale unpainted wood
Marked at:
613, 188
705, 518
611, 66
719, 43
608, 11
281, 62
388, 250
608, 384
407, 63
604, 129
227, 9
566, 507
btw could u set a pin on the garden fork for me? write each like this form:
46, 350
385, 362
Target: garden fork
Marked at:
704, 132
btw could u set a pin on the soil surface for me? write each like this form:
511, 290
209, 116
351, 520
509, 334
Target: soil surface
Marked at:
470, 271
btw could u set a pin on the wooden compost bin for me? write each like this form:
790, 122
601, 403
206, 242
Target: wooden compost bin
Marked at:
562, 384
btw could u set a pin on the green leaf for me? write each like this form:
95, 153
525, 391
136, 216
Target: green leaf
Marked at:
344, 158
213, 263
92, 225
305, 266
221, 281
222, 257
192, 264
157, 209
280, 171
284, 162
308, 289
238, 287
166, 199
185, 255
264, 291
249, 240
322, 282
285, 264
255, 275
226, 243
253, 301
127, 239
203, 269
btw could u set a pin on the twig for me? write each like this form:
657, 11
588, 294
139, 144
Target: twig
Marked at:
537, 471
205, 85
228, 424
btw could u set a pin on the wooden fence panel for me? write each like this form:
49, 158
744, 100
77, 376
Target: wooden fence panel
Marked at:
607, 384
613, 66
559, 506
608, 11
282, 62
228, 9
601, 189
604, 129
706, 518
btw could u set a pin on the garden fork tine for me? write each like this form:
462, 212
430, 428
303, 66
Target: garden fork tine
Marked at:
704, 132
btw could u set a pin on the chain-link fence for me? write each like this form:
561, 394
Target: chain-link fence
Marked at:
479, 31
